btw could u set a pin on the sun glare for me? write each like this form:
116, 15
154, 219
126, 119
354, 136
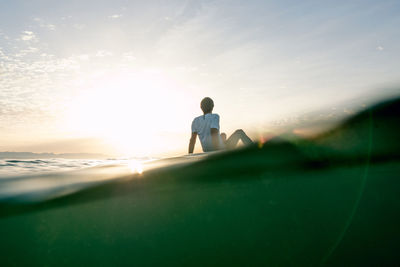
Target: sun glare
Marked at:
135, 166
128, 110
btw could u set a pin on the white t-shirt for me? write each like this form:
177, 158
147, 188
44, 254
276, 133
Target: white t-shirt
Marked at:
202, 126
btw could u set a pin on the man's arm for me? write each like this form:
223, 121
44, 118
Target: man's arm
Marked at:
215, 139
192, 142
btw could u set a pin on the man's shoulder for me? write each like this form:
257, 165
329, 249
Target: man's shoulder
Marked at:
209, 115
214, 117
197, 118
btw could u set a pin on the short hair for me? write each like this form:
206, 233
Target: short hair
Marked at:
207, 105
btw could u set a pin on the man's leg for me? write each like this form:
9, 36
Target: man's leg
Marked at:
223, 137
235, 137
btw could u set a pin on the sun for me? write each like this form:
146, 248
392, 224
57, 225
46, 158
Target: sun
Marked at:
129, 110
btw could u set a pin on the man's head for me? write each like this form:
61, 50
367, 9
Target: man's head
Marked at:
207, 105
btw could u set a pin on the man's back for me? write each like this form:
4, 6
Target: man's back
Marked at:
202, 125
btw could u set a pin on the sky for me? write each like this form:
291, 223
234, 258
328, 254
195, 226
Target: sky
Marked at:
127, 77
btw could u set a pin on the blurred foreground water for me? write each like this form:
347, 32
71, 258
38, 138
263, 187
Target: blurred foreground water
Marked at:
332, 200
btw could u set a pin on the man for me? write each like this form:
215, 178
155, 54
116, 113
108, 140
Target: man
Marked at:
206, 127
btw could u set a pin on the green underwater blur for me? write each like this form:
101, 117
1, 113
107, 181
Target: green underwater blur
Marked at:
331, 200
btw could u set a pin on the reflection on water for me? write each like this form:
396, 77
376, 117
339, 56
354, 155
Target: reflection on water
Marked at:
135, 166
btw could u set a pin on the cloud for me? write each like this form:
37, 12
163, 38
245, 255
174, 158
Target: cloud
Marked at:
380, 48
115, 16
29, 50
103, 53
28, 97
43, 24
83, 57
129, 56
28, 36
4, 35
66, 17
79, 26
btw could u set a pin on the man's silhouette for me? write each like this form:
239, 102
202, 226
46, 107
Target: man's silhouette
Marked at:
206, 127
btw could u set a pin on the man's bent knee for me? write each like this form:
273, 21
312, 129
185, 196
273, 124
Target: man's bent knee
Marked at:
239, 131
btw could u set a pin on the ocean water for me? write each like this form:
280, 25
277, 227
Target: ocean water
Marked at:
36, 180
17, 167
330, 201
13, 168
33, 180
